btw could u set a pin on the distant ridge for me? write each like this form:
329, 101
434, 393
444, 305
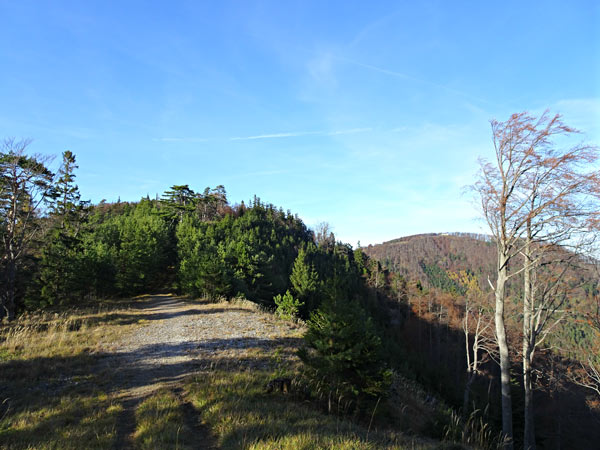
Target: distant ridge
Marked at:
416, 257
428, 258
477, 236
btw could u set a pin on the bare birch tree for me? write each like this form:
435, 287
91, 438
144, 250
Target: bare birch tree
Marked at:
536, 196
589, 375
477, 325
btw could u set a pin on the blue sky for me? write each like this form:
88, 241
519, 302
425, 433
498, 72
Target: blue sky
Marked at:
367, 115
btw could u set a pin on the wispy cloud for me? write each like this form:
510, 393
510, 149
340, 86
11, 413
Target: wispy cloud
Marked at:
302, 133
405, 76
287, 134
350, 131
274, 135
181, 139
372, 26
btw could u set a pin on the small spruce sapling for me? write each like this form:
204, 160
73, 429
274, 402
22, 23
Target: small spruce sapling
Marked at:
287, 306
343, 354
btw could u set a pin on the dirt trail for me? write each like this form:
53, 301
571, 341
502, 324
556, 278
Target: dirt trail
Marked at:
179, 339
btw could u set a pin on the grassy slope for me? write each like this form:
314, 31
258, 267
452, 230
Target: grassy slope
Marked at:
53, 394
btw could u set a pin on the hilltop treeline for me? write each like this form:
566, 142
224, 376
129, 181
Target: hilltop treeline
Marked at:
195, 243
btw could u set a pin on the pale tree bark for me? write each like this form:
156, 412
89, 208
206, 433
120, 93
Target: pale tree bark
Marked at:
477, 327
560, 195
589, 375
496, 189
481, 347
503, 350
536, 195
528, 346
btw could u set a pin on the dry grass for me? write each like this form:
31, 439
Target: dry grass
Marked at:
72, 420
51, 393
160, 423
242, 415
474, 431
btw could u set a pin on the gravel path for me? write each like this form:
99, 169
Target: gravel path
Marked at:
179, 338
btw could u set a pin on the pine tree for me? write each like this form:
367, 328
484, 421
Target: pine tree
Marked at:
202, 266
66, 192
305, 281
25, 182
177, 202
61, 262
343, 353
141, 256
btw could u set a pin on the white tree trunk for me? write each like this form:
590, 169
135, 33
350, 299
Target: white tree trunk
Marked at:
507, 428
528, 344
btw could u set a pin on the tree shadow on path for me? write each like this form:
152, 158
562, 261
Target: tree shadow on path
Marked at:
67, 392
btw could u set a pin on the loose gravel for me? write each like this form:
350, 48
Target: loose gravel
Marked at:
179, 338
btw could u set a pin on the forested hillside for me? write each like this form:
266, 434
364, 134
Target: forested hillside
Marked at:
444, 280
426, 257
429, 258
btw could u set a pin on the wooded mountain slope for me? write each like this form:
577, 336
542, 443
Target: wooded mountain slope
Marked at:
428, 258
416, 256
424, 272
